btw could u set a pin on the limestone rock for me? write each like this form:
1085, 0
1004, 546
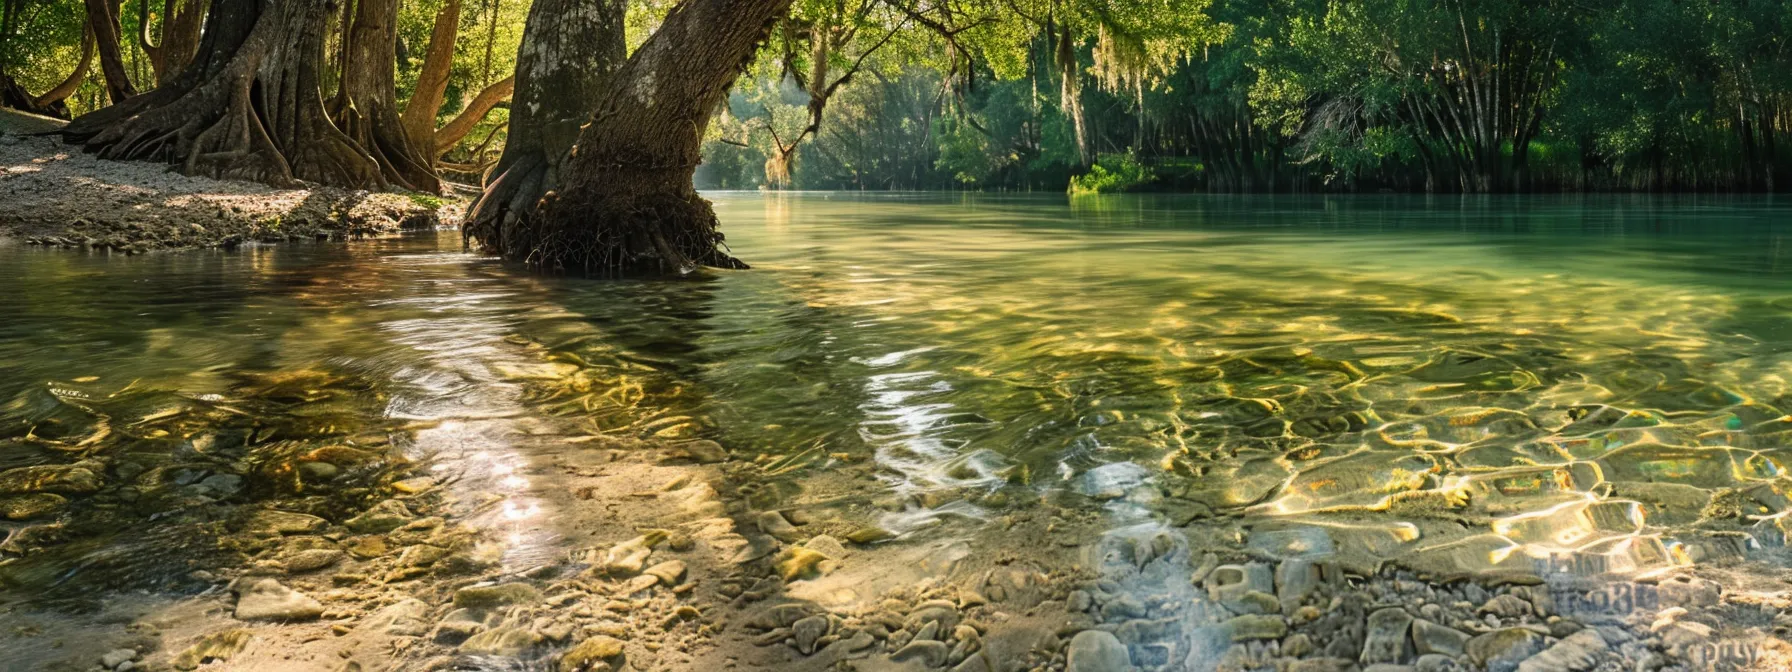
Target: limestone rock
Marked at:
1387, 641
384, 517
1429, 638
269, 600
508, 641
774, 524
928, 653
1502, 650
1097, 651
503, 594
213, 647
311, 560
1249, 627
668, 573
591, 652
1578, 652
1506, 606
808, 631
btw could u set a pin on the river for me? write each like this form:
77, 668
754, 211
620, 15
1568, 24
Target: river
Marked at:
1584, 391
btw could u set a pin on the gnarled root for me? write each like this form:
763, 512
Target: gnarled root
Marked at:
609, 233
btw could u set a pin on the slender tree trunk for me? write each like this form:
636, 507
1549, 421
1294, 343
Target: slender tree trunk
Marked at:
627, 204
567, 55
419, 116
249, 107
462, 124
102, 18
68, 85
366, 107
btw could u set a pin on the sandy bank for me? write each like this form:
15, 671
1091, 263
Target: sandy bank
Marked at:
54, 194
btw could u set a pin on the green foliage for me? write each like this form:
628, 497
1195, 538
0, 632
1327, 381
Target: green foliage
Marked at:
1113, 174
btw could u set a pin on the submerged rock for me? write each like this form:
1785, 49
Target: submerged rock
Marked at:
270, 600
273, 522
59, 478
1097, 651
27, 507
1577, 652
1429, 638
503, 594
1387, 640
384, 517
1502, 650
214, 647
599, 649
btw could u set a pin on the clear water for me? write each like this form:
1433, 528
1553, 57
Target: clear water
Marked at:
1598, 385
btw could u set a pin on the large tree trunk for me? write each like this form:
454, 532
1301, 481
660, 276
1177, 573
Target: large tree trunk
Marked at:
249, 107
625, 202
419, 117
562, 65
367, 104
102, 19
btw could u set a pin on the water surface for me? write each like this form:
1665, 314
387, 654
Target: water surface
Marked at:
1592, 385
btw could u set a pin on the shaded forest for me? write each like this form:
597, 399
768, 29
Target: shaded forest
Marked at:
585, 128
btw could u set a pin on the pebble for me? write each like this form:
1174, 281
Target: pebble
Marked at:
117, 657
34, 505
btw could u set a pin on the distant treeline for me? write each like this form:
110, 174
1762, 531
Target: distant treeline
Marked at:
1299, 95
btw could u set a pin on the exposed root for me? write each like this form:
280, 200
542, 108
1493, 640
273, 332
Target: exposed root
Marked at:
655, 233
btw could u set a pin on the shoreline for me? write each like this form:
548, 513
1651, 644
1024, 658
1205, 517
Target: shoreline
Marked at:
58, 196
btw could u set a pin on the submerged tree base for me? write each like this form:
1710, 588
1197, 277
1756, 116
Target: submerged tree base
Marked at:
612, 232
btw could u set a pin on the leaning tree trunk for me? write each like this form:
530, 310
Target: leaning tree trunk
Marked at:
625, 202
249, 106
419, 116
367, 104
102, 19
562, 65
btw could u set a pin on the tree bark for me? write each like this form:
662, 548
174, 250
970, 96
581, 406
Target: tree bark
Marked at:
249, 107
366, 107
102, 19
181, 22
462, 124
419, 116
568, 53
627, 204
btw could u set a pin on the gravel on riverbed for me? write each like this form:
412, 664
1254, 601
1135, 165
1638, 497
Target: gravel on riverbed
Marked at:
55, 194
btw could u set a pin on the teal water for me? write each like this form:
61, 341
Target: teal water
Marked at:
1596, 384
